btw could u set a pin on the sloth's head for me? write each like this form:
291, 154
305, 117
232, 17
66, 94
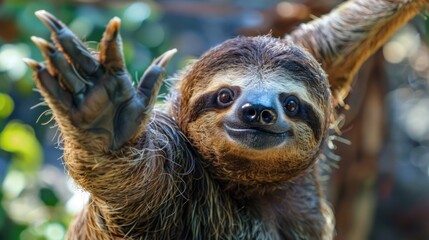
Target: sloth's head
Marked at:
256, 108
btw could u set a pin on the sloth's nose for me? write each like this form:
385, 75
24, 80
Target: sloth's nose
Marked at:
258, 114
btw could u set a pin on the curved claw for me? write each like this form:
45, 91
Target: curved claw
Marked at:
112, 29
47, 50
151, 79
43, 45
35, 66
165, 58
66, 42
50, 21
111, 54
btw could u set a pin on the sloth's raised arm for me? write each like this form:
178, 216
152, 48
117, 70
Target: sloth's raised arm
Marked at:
102, 118
93, 91
342, 40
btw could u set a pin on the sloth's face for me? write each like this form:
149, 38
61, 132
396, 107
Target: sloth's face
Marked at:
262, 116
264, 112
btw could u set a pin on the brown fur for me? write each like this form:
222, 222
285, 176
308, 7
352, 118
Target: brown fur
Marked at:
344, 39
259, 56
182, 179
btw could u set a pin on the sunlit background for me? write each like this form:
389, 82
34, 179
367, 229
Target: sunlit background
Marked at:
38, 200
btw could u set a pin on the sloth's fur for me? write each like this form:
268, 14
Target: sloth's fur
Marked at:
182, 177
277, 64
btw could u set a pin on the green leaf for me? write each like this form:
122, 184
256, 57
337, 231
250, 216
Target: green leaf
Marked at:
6, 105
20, 140
48, 197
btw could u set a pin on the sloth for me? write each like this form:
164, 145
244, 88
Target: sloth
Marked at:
234, 152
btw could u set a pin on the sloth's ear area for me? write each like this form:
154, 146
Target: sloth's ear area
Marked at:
342, 40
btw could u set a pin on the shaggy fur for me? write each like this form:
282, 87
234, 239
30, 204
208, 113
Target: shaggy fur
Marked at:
178, 176
356, 30
266, 58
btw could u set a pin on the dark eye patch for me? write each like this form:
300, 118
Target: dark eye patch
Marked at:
310, 116
306, 113
209, 102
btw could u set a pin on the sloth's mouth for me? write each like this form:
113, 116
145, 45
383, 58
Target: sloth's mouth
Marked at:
257, 138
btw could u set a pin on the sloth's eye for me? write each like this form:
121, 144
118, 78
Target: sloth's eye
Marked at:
225, 97
291, 105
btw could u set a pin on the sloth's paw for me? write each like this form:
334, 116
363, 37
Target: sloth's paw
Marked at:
92, 90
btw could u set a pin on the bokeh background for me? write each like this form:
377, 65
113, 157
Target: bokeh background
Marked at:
380, 189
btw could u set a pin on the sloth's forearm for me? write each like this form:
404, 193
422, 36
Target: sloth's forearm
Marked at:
113, 146
104, 174
344, 39
156, 168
